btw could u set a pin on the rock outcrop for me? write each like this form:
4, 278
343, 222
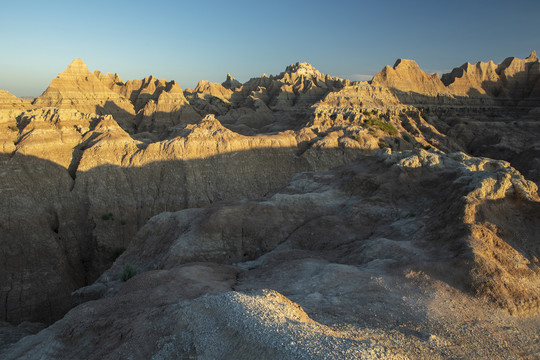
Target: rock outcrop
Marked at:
319, 263
265, 104
94, 186
406, 75
231, 83
472, 80
514, 82
10, 102
77, 88
227, 252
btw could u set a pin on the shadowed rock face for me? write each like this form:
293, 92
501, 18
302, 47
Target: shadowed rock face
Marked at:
433, 212
384, 248
79, 187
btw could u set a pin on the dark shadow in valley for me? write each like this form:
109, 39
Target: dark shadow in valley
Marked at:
62, 233
64, 225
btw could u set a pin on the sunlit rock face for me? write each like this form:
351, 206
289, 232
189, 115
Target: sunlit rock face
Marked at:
514, 82
77, 88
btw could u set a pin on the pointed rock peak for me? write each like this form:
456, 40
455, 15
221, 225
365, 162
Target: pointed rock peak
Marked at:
231, 83
302, 68
149, 79
117, 78
173, 87
202, 85
533, 56
77, 67
207, 125
406, 63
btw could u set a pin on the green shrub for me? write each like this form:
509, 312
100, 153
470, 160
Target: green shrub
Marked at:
108, 216
357, 138
128, 272
384, 126
122, 222
367, 113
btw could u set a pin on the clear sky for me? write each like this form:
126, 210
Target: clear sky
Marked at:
196, 40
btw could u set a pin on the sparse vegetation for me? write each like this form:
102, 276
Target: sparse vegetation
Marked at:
357, 138
384, 126
407, 138
367, 113
108, 216
128, 272
383, 145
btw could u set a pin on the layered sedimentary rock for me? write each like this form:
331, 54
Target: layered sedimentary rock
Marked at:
319, 263
94, 186
265, 104
470, 80
520, 77
77, 88
9, 101
192, 176
513, 82
406, 75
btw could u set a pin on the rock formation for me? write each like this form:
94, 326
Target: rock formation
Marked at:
9, 101
77, 88
406, 75
406, 231
513, 82
293, 215
231, 83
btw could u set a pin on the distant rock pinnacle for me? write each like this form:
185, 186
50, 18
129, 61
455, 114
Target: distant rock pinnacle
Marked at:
77, 67
231, 83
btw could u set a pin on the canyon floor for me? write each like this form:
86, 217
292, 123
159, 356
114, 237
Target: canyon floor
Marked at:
295, 216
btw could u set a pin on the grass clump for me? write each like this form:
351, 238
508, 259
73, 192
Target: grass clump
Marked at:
128, 272
384, 126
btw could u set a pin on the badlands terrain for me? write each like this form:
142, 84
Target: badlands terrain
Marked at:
294, 216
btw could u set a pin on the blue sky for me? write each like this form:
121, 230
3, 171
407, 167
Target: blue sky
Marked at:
196, 40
